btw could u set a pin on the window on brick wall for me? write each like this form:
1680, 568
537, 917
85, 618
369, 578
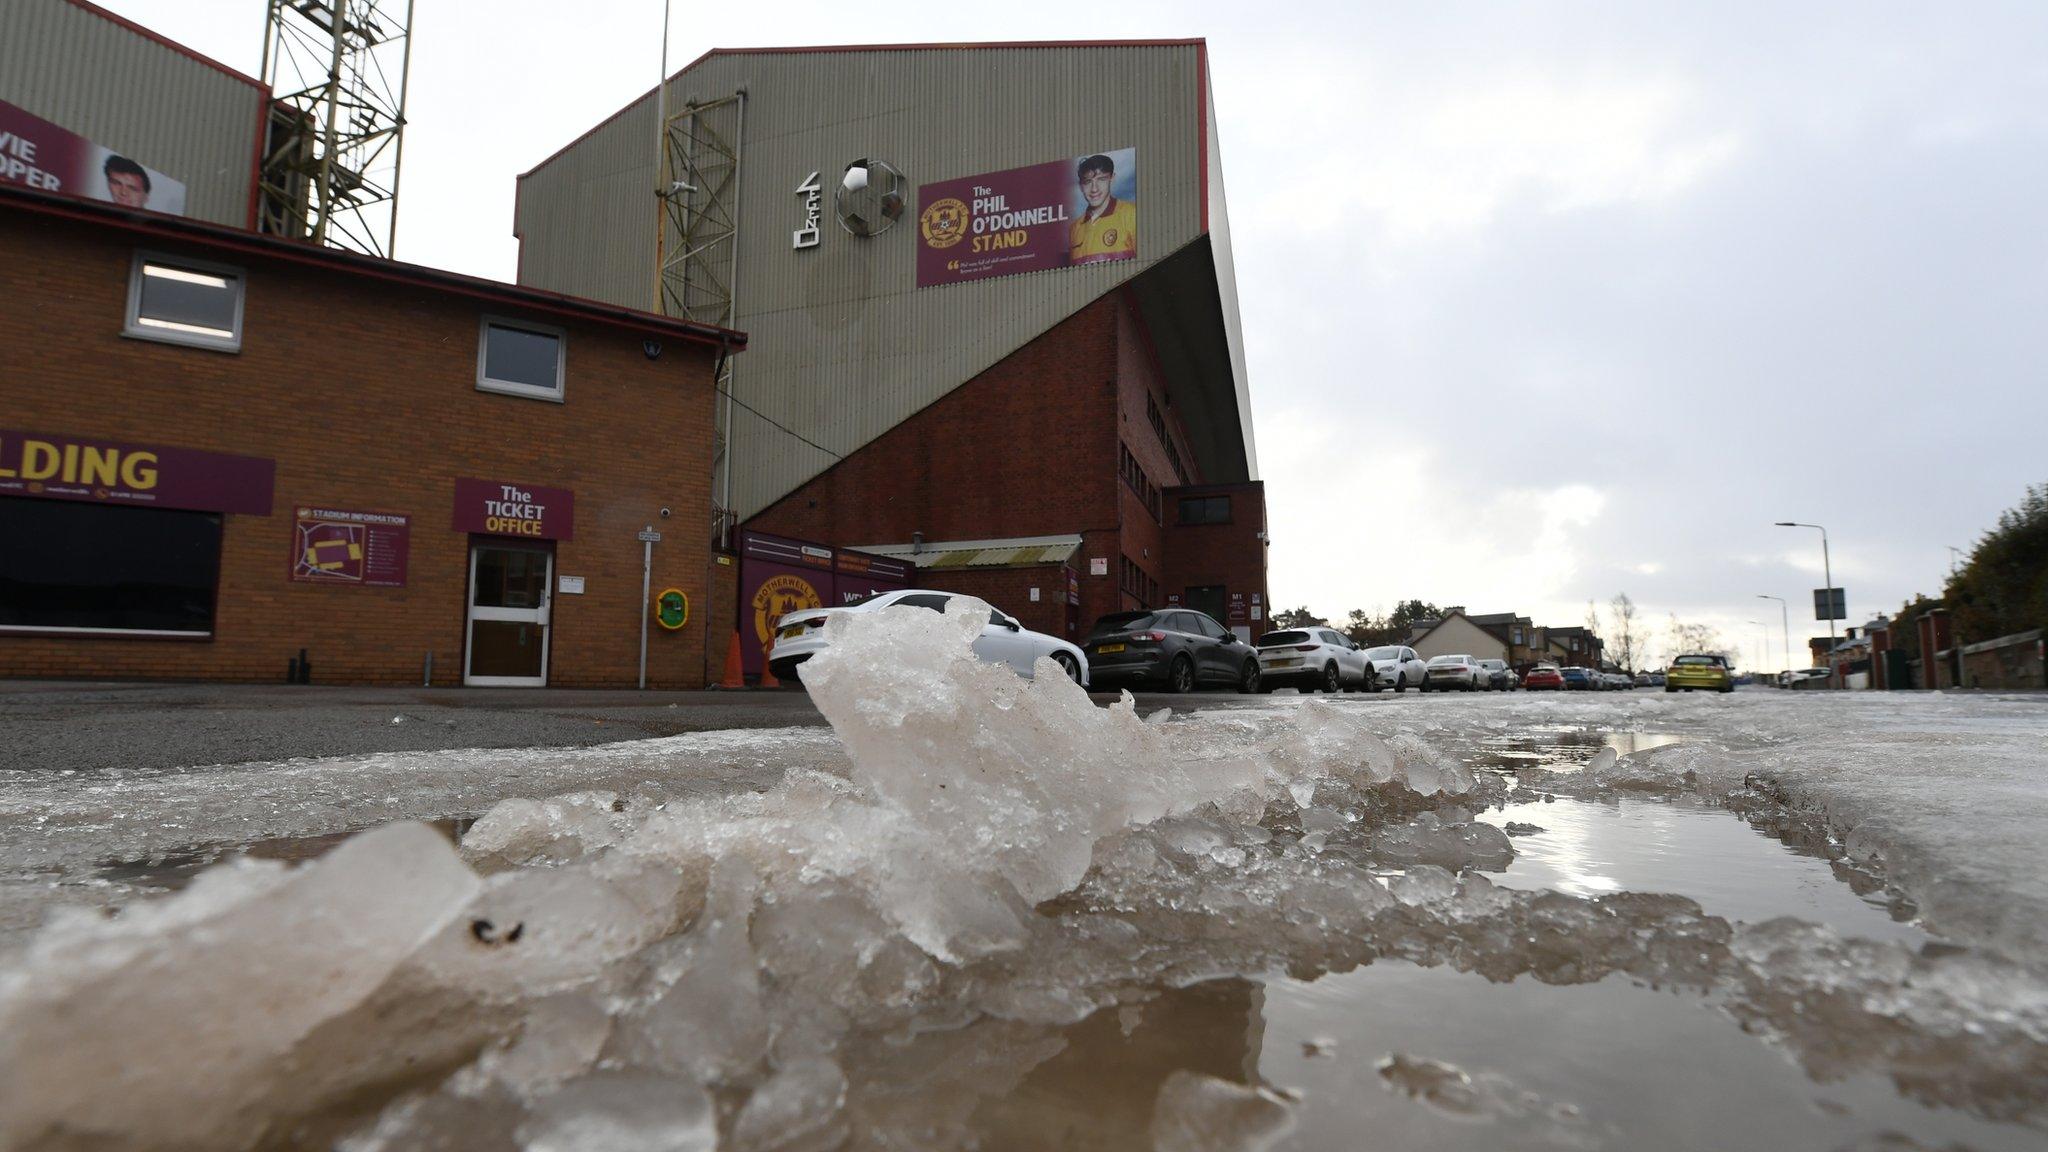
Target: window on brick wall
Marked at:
1158, 421
105, 569
1205, 509
1136, 582
178, 301
520, 359
1134, 475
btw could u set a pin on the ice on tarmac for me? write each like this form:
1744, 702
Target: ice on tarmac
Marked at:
856, 948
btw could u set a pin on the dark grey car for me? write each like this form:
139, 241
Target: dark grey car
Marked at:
1175, 649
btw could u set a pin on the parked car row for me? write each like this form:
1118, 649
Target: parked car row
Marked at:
1181, 650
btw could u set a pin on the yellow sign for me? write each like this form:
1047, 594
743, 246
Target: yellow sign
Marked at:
777, 597
672, 609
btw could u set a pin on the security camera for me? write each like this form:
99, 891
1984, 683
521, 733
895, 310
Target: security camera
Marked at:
664, 513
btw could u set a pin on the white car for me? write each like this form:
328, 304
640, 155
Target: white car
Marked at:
1394, 666
1310, 659
801, 635
1497, 676
1460, 671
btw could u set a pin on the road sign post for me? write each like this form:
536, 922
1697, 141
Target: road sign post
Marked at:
648, 538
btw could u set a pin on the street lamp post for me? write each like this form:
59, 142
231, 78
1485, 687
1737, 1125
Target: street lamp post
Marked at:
1785, 611
1827, 569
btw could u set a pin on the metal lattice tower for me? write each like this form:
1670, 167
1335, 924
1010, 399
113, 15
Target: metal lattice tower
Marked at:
337, 73
696, 248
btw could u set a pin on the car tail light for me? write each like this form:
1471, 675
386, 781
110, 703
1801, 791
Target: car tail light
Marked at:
1306, 647
1152, 637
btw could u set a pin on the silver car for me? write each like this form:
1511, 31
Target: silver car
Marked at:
1460, 672
1394, 666
1499, 677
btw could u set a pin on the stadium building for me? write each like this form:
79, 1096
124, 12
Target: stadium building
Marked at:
993, 330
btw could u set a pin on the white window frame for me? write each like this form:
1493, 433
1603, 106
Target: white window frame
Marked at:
135, 329
484, 383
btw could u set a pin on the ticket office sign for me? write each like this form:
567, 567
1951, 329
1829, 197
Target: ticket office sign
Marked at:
496, 508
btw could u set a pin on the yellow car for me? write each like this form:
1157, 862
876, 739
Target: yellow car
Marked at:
1702, 671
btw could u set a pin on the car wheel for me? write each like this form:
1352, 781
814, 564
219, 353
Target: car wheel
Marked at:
1372, 680
1180, 679
1248, 680
1068, 665
1333, 678
1401, 682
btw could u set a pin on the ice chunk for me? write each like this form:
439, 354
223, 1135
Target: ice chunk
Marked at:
175, 1023
1429, 840
798, 1109
623, 1112
1196, 1112
552, 831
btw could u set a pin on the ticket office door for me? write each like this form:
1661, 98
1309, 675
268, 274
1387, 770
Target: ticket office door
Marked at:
510, 595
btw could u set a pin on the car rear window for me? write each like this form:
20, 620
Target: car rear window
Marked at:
1450, 660
1709, 661
1276, 639
1124, 622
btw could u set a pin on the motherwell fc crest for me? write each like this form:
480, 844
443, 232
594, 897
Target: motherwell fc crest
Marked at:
944, 224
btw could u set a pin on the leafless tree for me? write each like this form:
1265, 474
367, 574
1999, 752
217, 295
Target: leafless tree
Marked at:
1628, 631
1696, 638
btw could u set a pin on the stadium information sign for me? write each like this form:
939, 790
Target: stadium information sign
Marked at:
364, 549
35, 153
1059, 214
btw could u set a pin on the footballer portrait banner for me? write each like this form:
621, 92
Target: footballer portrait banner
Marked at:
37, 154
365, 549
1082, 210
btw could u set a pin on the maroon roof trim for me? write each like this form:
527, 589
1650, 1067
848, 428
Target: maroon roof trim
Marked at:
177, 228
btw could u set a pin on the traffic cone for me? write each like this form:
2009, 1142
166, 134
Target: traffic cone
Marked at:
735, 674
768, 679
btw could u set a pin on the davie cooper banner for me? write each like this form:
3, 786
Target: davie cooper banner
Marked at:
1057, 214
38, 154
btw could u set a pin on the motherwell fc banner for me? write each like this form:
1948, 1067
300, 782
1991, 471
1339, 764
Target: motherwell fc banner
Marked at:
1053, 215
145, 475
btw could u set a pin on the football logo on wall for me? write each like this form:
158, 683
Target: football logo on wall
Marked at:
944, 224
777, 597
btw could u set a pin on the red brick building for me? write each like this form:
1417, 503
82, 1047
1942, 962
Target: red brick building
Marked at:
1060, 461
219, 450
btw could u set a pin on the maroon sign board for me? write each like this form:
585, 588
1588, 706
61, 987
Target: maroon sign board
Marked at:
364, 549
779, 575
35, 153
141, 475
496, 508
1062, 213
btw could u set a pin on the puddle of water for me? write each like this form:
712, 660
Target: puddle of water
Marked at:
173, 871
1689, 849
1643, 1069
1559, 748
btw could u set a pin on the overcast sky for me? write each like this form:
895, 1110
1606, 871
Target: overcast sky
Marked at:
1542, 302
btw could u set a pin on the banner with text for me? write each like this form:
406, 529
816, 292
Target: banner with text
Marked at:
145, 475
366, 549
500, 509
40, 155
1054, 215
